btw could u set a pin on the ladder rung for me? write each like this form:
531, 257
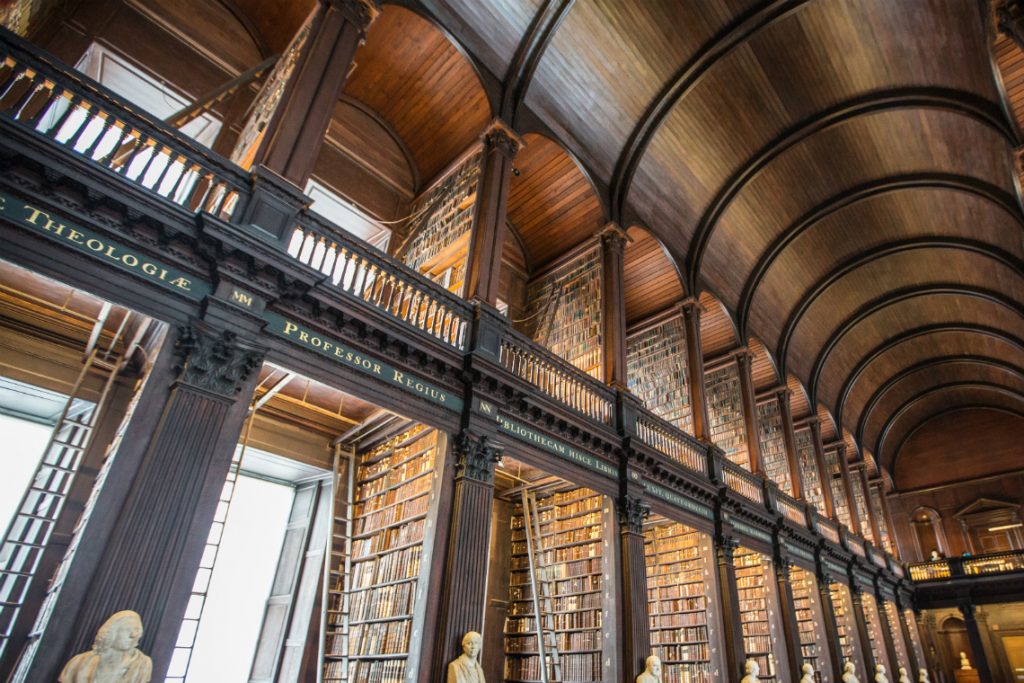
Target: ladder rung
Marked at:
66, 444
25, 544
8, 572
59, 468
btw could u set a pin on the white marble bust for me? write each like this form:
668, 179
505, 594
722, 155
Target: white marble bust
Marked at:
880, 676
922, 675
904, 678
652, 674
466, 668
751, 669
849, 675
964, 664
115, 657
808, 673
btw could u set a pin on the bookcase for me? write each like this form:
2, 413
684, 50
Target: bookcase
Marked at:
874, 624
574, 526
656, 371
862, 509
339, 576
725, 413
565, 313
809, 469
380, 614
834, 475
893, 615
773, 444
883, 529
813, 646
915, 637
440, 225
681, 601
848, 643
758, 611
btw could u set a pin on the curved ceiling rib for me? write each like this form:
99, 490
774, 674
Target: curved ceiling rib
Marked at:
871, 255
528, 55
930, 364
855, 195
896, 296
891, 343
732, 34
957, 101
986, 387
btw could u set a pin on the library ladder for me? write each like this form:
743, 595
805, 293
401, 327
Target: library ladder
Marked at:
542, 591
26, 555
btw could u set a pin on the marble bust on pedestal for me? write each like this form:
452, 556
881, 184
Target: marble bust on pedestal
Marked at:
848, 673
904, 678
115, 657
808, 673
880, 676
751, 669
964, 664
651, 674
466, 668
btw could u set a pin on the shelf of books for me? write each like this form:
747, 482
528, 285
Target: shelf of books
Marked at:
862, 508
339, 580
656, 371
773, 445
809, 470
758, 605
725, 413
394, 498
565, 313
915, 636
849, 644
813, 643
680, 594
566, 614
874, 623
883, 529
440, 225
834, 475
893, 615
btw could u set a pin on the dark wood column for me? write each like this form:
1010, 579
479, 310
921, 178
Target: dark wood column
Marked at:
887, 636
824, 476
828, 614
857, 598
636, 632
844, 472
464, 582
872, 518
613, 244
729, 602
743, 359
790, 628
483, 269
295, 132
796, 479
979, 644
695, 369
908, 643
146, 535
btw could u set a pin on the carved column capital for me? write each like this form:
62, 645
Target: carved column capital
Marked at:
726, 547
691, 307
500, 137
632, 513
360, 12
613, 237
474, 458
214, 360
1010, 20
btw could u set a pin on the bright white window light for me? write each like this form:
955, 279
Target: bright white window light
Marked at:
346, 216
24, 442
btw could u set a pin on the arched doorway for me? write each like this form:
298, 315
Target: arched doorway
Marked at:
953, 635
928, 534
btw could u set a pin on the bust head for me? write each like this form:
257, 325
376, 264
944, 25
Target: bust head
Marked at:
653, 664
751, 668
880, 668
807, 669
121, 631
471, 643
848, 668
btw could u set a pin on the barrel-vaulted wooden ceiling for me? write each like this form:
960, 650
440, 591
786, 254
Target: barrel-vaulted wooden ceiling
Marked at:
836, 178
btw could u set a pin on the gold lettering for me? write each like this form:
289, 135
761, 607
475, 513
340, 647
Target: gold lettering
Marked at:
111, 252
76, 236
241, 297
181, 283
376, 368
3, 203
130, 260
397, 377
304, 337
149, 269
93, 244
36, 213
289, 327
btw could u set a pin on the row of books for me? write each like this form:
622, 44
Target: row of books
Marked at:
385, 568
725, 413
558, 555
382, 638
394, 600
656, 370
751, 577
673, 574
773, 444
690, 672
561, 621
692, 652
694, 634
392, 514
578, 668
805, 603
390, 671
696, 617
403, 474
388, 538
579, 584
809, 470
566, 642
583, 521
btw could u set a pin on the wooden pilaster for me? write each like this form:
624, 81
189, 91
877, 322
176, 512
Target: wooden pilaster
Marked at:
857, 599
851, 504
787, 606
796, 480
747, 394
613, 243
695, 369
635, 633
887, 519
824, 476
464, 582
729, 602
908, 642
887, 636
828, 614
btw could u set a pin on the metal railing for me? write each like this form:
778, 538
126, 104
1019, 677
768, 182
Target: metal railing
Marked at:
51, 100
555, 377
742, 482
380, 281
667, 439
968, 565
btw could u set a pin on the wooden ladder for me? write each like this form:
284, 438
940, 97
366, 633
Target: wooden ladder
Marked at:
541, 588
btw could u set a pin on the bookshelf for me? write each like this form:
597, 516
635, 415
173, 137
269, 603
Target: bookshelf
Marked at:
573, 526
565, 312
773, 445
440, 225
725, 413
835, 479
874, 624
862, 509
679, 564
883, 529
656, 372
757, 610
339, 575
915, 637
845, 625
394, 491
893, 615
809, 469
809, 622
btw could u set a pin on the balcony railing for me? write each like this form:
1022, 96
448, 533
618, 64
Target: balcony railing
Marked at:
555, 377
827, 528
380, 281
93, 124
791, 508
970, 565
742, 482
667, 439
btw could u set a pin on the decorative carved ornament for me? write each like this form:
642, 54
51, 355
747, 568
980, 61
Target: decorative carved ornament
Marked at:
474, 458
633, 512
214, 361
1010, 20
501, 137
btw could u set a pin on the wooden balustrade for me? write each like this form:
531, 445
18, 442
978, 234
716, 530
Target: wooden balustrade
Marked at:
85, 119
827, 528
968, 565
663, 437
742, 482
791, 509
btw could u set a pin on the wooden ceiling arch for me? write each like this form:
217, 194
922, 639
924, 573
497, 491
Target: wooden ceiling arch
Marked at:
652, 284
941, 398
718, 333
934, 371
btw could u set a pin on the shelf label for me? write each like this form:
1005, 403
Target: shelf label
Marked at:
799, 552
750, 531
836, 569
83, 240
548, 443
342, 353
679, 500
